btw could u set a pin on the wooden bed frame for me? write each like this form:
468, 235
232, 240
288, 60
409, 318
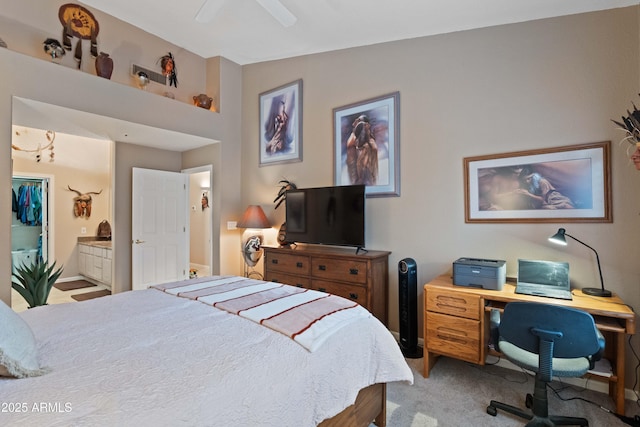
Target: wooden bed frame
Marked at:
370, 405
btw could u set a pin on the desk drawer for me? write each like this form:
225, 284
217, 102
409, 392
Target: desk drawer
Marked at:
288, 279
453, 336
294, 264
453, 303
353, 292
339, 269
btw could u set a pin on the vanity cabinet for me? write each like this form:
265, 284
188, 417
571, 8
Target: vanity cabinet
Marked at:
94, 262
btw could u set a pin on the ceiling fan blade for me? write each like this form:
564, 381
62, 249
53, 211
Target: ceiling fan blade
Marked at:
208, 11
278, 11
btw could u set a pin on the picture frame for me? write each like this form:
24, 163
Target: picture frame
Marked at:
281, 124
550, 185
352, 162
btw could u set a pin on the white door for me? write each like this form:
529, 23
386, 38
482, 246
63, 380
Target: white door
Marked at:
159, 234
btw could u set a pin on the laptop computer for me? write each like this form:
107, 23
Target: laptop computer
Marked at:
544, 279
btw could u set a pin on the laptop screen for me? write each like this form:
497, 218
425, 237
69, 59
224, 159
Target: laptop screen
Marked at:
544, 273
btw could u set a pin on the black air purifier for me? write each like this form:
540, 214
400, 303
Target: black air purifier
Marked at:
408, 307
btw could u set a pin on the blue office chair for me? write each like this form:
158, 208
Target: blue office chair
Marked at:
551, 341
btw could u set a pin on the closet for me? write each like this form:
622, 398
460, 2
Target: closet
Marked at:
29, 220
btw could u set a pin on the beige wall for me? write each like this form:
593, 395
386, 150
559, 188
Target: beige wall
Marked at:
547, 83
26, 24
22, 67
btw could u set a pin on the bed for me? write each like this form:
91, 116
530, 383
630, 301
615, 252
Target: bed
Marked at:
163, 356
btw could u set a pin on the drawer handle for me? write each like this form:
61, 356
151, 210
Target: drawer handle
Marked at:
274, 261
451, 299
322, 267
451, 331
353, 295
452, 307
299, 264
353, 271
322, 289
452, 339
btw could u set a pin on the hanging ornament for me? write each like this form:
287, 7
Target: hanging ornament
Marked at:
79, 22
50, 136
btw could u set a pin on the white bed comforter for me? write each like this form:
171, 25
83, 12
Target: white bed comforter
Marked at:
145, 358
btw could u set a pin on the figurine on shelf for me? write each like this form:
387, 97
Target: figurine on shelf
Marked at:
168, 65
53, 48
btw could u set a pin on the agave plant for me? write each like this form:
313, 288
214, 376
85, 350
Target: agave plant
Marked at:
34, 281
631, 125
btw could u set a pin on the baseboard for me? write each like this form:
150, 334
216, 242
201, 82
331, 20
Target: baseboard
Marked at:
591, 384
71, 279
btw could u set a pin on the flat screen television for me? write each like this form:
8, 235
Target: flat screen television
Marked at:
326, 215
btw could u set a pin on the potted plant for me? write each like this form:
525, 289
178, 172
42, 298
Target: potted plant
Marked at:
285, 185
34, 281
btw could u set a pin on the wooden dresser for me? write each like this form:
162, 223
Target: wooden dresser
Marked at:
363, 278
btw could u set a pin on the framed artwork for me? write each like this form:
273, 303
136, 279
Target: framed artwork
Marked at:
366, 145
281, 124
563, 184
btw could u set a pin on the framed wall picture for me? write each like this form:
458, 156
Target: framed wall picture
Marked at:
367, 143
281, 124
563, 184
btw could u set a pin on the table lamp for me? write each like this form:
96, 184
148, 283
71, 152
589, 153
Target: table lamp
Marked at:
559, 238
252, 220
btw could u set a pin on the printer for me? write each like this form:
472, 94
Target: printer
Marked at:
480, 273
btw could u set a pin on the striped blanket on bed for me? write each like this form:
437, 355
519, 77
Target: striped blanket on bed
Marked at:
308, 317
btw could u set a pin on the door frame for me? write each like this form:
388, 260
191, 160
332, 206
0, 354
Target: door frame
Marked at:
199, 169
50, 229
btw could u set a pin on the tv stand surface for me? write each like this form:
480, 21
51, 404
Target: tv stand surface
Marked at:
362, 277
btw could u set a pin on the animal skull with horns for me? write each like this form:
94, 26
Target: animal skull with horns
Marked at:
82, 206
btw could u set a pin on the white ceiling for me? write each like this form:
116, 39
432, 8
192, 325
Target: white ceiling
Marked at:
244, 32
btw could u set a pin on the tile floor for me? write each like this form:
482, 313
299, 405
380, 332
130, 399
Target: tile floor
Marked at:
55, 297
58, 297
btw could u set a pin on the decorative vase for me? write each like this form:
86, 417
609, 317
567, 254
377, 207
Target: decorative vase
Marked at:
104, 65
203, 101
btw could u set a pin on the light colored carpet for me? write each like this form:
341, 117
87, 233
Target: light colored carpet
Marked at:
457, 394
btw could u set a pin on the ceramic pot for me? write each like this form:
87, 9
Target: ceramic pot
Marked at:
104, 65
203, 101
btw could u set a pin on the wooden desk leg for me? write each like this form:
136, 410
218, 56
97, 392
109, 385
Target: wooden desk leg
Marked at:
429, 361
616, 391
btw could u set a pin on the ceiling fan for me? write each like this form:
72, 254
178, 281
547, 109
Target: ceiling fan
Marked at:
210, 8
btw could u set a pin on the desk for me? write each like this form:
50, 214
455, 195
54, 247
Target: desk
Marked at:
456, 324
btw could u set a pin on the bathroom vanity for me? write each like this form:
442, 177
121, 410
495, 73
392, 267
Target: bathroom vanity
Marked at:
95, 260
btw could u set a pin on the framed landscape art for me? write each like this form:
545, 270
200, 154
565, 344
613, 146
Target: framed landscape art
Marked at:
562, 184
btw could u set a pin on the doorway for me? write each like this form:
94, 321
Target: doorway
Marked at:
30, 227
200, 221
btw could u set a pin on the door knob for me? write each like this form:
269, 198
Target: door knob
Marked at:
137, 242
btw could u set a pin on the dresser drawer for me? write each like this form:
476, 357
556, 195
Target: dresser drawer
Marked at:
453, 303
453, 336
352, 292
339, 269
288, 279
295, 264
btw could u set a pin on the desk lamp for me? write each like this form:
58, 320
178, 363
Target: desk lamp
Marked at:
559, 238
252, 220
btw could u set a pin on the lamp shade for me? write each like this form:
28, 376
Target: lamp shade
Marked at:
559, 238
254, 217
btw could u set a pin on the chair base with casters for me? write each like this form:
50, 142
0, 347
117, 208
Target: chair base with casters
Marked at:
550, 341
